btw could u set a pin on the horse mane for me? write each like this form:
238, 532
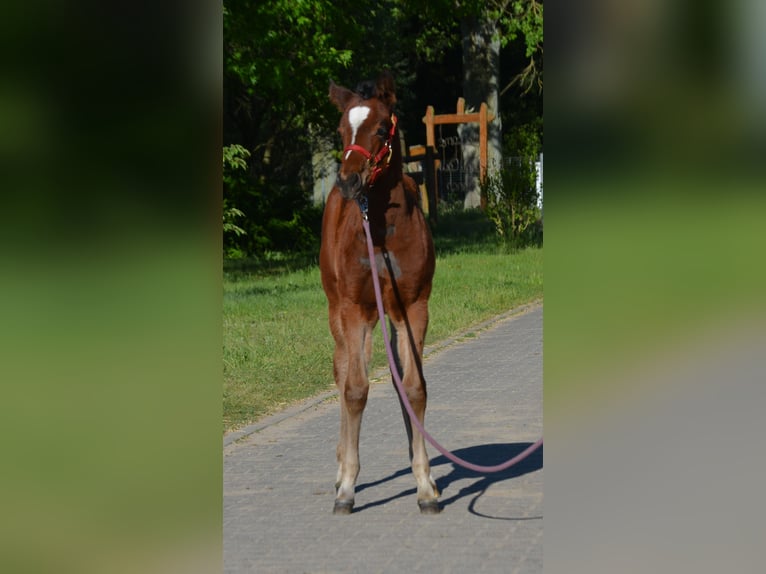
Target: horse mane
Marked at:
384, 88
367, 89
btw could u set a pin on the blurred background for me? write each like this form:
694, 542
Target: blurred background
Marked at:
654, 318
113, 119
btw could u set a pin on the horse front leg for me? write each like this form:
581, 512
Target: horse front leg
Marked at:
410, 332
353, 385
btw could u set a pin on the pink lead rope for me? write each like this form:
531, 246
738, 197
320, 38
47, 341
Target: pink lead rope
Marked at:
400, 388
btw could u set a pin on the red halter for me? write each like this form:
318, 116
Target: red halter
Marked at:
385, 152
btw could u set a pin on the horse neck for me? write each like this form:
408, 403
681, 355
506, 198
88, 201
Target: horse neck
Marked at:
387, 197
391, 177
395, 164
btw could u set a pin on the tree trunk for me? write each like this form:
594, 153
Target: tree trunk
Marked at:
324, 167
481, 74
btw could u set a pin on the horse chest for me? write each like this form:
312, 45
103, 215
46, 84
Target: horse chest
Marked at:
384, 263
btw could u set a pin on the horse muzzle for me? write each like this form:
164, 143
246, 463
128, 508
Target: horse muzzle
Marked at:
350, 185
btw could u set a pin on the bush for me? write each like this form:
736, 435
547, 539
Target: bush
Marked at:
510, 195
234, 179
511, 205
265, 214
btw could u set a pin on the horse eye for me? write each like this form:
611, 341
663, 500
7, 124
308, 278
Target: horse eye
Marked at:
382, 132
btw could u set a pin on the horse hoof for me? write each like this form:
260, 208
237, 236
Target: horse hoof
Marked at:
429, 506
343, 507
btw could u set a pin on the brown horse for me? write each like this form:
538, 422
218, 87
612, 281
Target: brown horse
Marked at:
371, 178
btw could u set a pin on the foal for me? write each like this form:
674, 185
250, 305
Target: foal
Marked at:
371, 178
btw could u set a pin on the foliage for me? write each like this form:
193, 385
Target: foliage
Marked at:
235, 159
234, 178
523, 18
285, 47
510, 193
515, 20
279, 57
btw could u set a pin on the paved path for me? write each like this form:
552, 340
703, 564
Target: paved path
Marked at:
484, 403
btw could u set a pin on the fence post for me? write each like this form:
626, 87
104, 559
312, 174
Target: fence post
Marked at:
429, 121
430, 179
483, 144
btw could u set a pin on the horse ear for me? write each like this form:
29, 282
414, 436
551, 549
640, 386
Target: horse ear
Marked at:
387, 88
340, 96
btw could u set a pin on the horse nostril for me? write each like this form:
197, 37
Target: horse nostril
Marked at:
353, 180
349, 184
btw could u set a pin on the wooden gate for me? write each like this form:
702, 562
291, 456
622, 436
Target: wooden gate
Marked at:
429, 159
482, 117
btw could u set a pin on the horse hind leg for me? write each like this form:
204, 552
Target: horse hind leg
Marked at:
398, 364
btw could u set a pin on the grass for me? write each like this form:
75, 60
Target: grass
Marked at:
277, 345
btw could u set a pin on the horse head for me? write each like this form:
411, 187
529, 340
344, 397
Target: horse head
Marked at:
368, 131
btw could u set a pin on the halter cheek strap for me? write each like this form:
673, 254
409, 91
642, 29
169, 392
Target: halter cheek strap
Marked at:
385, 152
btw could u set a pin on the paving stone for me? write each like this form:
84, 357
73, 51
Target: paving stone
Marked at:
484, 404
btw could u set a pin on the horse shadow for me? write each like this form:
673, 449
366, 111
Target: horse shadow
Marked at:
484, 455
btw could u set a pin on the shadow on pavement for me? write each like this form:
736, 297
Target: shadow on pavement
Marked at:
484, 455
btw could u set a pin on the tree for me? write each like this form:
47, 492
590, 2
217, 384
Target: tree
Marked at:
523, 19
484, 29
481, 75
279, 58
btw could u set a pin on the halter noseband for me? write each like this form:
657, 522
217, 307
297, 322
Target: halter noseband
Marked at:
374, 162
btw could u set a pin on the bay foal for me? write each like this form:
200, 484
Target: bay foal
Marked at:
371, 178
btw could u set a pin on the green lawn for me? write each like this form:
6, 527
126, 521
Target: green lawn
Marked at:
277, 347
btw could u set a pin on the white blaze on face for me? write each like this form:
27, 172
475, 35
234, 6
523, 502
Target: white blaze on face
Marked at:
356, 117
